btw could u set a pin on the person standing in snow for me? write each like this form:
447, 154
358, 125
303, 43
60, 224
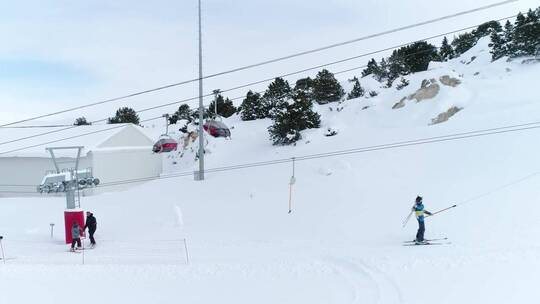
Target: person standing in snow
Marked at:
76, 232
419, 211
91, 224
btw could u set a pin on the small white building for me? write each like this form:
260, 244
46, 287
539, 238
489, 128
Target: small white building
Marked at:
113, 153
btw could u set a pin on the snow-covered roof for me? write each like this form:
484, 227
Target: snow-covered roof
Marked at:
91, 137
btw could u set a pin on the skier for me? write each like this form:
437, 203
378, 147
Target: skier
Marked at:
91, 224
419, 211
76, 232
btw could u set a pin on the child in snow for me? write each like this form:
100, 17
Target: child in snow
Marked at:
419, 212
76, 232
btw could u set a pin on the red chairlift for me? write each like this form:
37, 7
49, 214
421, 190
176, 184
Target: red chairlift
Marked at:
165, 144
216, 128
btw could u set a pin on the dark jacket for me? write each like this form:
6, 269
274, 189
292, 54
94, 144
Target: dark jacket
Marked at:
91, 222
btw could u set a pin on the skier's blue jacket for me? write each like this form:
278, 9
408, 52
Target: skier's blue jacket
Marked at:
76, 232
419, 212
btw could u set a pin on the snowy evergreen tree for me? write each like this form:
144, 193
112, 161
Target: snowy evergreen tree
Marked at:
225, 107
396, 67
371, 69
416, 57
498, 46
373, 93
305, 85
183, 113
275, 97
526, 37
403, 83
125, 115
508, 38
357, 90
382, 73
81, 121
486, 29
252, 107
326, 88
463, 43
297, 116
408, 59
446, 52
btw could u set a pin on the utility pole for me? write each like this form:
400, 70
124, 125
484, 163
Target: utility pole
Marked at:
216, 93
166, 116
200, 175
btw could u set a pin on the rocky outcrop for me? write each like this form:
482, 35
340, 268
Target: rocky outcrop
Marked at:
399, 104
449, 81
429, 89
530, 61
445, 115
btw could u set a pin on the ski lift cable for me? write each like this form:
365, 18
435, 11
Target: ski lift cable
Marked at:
360, 56
475, 198
155, 107
480, 133
71, 137
259, 82
437, 139
508, 185
316, 50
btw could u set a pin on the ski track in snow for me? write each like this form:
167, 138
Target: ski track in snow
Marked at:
355, 271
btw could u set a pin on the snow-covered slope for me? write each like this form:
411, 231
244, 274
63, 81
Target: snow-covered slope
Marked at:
342, 243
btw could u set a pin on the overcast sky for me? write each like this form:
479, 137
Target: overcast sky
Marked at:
58, 54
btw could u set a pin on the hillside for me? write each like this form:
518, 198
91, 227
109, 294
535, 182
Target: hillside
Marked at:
342, 243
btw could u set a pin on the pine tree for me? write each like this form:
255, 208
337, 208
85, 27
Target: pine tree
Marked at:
408, 59
463, 43
508, 38
486, 29
371, 69
305, 85
81, 121
183, 113
225, 107
498, 47
326, 88
396, 67
297, 116
252, 107
382, 73
275, 97
526, 34
446, 52
125, 115
357, 90
403, 83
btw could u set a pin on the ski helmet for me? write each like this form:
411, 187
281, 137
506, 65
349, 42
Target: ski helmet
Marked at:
418, 199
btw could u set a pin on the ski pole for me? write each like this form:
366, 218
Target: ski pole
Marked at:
187, 252
52, 230
445, 209
291, 183
406, 220
2, 249
82, 241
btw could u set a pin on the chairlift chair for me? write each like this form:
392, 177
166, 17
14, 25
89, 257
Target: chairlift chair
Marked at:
216, 128
165, 144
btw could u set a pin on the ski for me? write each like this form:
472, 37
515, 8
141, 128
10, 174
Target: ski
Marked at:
428, 240
425, 244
